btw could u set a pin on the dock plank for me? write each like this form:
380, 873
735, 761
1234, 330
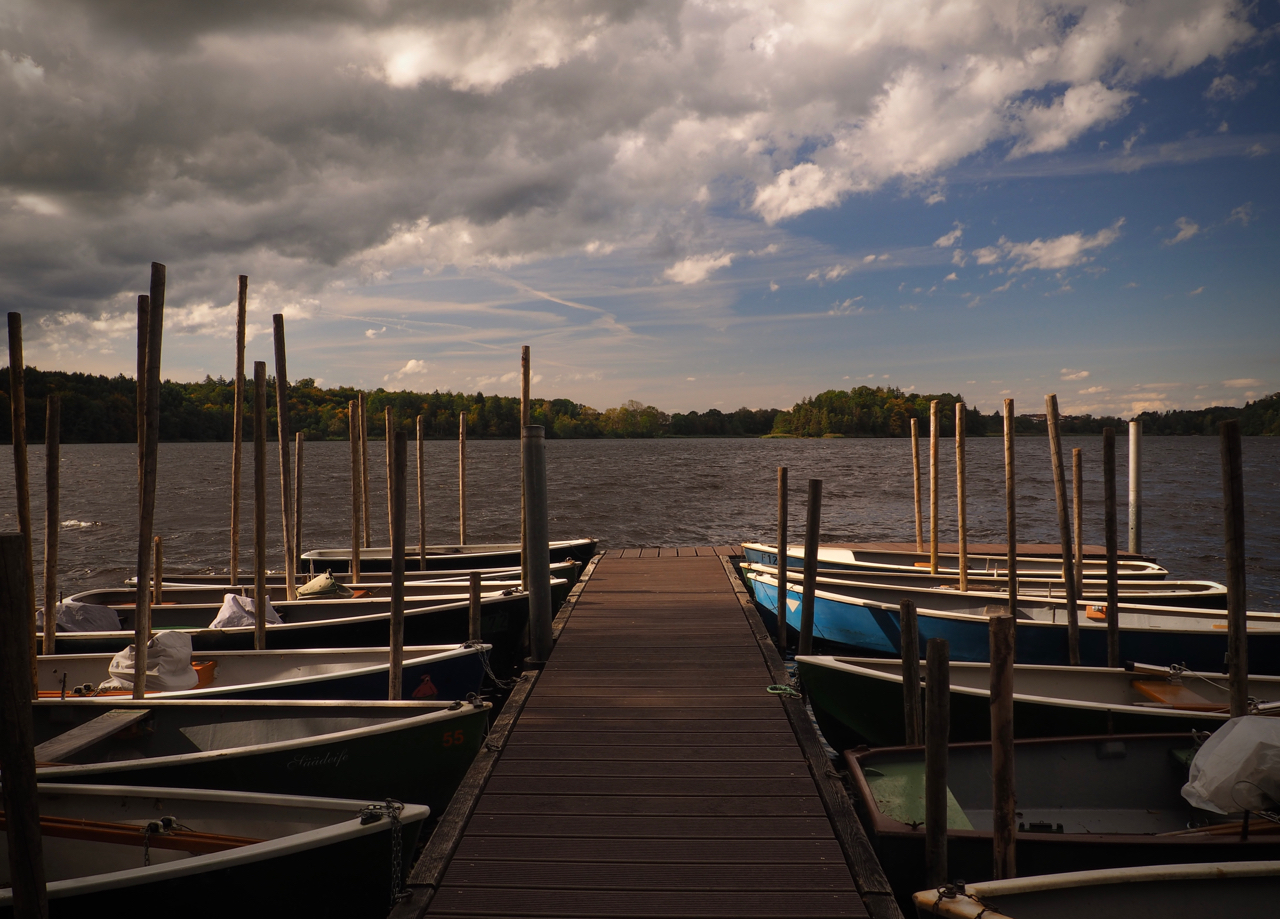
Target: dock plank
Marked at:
650, 773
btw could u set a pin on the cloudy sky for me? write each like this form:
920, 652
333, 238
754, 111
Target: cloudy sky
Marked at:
693, 204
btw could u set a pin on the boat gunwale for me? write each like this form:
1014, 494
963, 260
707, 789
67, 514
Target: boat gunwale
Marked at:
348, 829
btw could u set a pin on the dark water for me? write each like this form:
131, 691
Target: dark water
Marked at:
663, 492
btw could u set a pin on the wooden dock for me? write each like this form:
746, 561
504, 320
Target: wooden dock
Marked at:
648, 771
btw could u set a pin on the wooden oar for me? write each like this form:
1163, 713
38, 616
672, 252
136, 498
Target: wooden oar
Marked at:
130, 834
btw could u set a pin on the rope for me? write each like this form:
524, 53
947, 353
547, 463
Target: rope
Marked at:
785, 691
488, 670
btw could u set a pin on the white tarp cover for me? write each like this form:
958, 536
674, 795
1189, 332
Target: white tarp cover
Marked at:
239, 611
1238, 768
168, 665
85, 617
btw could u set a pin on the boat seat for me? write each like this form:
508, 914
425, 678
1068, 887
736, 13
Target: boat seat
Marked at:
1175, 695
86, 735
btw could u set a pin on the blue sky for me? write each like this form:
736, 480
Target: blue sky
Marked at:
689, 204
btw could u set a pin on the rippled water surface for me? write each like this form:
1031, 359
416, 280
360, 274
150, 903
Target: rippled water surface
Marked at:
654, 493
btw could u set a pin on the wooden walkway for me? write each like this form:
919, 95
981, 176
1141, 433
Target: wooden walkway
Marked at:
649, 772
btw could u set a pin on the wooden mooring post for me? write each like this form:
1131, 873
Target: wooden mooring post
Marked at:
147, 480
524, 509
298, 440
21, 472
260, 505
286, 485
910, 672
353, 424
397, 446
812, 535
157, 572
17, 739
533, 446
783, 548
1010, 508
365, 515
1077, 510
1109, 525
52, 475
237, 429
933, 485
915, 479
1064, 528
1135, 487
422, 502
462, 478
1004, 819
390, 422
937, 688
474, 609
962, 522
1233, 519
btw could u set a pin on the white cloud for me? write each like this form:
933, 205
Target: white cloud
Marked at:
1094, 389
1242, 214
1049, 254
697, 268
1197, 292
374, 333
1079, 109
1187, 228
1246, 383
773, 287
1227, 87
1068, 374
947, 240
951, 277
414, 368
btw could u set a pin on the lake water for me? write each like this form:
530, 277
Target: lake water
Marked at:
653, 493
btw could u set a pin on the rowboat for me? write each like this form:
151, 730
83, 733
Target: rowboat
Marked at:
435, 672
190, 607
944, 593
859, 700
111, 851
307, 625
1084, 803
862, 560
478, 555
1248, 890
1196, 638
410, 751
567, 569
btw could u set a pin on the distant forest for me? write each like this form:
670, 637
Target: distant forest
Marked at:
100, 409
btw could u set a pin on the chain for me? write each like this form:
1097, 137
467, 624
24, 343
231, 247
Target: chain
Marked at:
390, 808
161, 827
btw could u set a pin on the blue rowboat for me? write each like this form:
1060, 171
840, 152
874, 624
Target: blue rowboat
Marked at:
1192, 637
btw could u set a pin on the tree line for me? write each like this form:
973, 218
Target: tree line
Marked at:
101, 409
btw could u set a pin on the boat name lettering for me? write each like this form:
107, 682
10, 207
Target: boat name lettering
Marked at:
311, 760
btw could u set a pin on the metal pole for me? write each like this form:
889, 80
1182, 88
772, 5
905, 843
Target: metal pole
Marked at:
812, 533
535, 463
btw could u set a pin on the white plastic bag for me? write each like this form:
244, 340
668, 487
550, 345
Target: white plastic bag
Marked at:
168, 665
1238, 768
239, 611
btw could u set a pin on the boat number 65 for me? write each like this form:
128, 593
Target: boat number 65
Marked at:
453, 739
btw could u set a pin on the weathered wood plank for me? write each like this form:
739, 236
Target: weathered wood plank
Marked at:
83, 736
464, 901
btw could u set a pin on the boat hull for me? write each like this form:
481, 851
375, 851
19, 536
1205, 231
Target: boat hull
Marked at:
500, 556
402, 753
845, 626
